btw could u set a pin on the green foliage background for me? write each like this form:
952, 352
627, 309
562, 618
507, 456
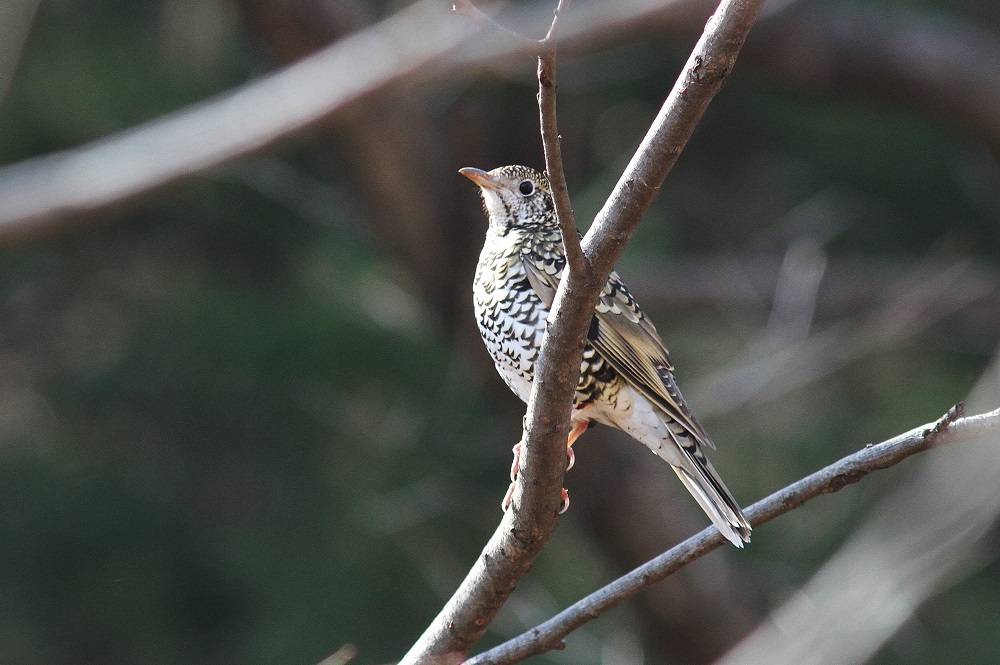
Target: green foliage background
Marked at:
234, 429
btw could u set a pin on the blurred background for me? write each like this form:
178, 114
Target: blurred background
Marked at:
247, 418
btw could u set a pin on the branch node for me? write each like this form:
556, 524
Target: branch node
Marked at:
942, 425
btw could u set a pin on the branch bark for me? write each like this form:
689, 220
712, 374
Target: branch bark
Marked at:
950, 428
529, 524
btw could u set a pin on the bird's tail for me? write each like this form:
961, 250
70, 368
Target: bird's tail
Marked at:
705, 485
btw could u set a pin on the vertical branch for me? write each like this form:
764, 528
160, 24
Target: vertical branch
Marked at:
529, 524
552, 145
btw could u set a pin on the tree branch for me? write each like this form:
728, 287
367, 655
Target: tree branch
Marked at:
551, 144
950, 428
532, 519
704, 73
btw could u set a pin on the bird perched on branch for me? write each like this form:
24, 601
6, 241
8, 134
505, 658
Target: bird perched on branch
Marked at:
625, 375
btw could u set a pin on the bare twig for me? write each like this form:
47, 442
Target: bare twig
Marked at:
932, 530
551, 144
527, 527
950, 428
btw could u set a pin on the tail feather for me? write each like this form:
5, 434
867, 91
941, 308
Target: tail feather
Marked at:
703, 482
723, 510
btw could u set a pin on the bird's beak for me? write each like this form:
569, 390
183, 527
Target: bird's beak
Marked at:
481, 178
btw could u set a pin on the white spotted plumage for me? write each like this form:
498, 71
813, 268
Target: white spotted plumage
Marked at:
625, 378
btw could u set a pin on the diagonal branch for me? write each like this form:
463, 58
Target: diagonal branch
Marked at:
704, 73
953, 427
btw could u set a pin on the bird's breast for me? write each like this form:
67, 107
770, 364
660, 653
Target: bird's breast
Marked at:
510, 315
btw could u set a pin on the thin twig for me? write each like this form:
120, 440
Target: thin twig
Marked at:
551, 144
529, 524
950, 428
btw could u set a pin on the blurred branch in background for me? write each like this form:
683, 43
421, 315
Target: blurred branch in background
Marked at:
945, 66
411, 44
774, 367
60, 186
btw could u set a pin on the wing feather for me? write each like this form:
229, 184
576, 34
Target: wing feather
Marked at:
628, 341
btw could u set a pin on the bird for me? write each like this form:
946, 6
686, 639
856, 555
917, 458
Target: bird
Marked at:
626, 377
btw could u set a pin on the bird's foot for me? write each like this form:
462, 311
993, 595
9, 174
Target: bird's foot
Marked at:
509, 496
517, 461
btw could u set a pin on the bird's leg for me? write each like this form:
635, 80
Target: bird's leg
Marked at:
579, 427
517, 461
509, 496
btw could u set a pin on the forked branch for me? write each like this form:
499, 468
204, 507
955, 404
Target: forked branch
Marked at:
529, 524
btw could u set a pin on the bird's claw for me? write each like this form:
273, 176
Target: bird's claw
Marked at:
517, 461
508, 497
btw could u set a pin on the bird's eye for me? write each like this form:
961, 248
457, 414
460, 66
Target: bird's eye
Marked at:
526, 187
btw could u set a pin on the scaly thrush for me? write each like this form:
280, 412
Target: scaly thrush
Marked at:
625, 375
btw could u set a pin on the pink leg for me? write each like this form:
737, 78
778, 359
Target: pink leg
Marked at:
579, 428
517, 460
509, 496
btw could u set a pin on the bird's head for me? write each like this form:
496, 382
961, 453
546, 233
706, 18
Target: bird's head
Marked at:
514, 197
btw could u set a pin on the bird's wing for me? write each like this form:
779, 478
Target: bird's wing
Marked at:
627, 340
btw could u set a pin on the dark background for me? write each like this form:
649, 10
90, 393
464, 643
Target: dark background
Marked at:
248, 419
